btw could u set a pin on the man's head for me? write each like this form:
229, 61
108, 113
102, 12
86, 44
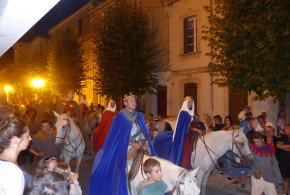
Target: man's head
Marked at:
112, 104
270, 131
45, 126
159, 117
150, 117
70, 95
217, 119
130, 102
152, 169
261, 121
264, 115
287, 130
196, 117
258, 139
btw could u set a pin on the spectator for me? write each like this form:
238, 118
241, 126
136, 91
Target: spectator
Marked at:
284, 158
218, 123
48, 184
6, 112
208, 122
154, 183
200, 125
262, 123
47, 164
264, 172
228, 124
151, 125
280, 123
271, 139
14, 137
65, 170
161, 124
43, 143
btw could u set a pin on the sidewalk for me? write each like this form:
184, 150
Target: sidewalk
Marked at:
219, 185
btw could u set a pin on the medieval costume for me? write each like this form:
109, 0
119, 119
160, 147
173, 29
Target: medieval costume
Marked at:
102, 130
109, 174
72, 107
265, 170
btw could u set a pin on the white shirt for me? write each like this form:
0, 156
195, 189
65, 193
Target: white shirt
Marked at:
11, 179
259, 128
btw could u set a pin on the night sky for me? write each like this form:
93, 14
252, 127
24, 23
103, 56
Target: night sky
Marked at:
63, 9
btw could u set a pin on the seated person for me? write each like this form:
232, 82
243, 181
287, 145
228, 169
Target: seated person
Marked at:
153, 184
65, 170
48, 183
46, 164
43, 142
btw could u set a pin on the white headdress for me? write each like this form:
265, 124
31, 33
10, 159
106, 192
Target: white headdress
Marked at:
110, 108
184, 107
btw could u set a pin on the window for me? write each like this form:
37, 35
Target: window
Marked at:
190, 34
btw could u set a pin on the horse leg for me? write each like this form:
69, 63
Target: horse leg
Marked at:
78, 161
204, 181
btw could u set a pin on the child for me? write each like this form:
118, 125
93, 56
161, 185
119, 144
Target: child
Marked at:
153, 184
46, 164
64, 169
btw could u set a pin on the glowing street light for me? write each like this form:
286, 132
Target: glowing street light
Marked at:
38, 83
7, 88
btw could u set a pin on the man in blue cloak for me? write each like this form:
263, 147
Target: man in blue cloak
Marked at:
128, 130
169, 145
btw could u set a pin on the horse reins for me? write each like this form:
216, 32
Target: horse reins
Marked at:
177, 183
69, 142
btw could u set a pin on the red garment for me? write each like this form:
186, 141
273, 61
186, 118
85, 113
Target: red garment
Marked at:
188, 147
101, 132
69, 107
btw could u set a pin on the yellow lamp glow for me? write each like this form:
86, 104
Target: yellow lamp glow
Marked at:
7, 88
38, 83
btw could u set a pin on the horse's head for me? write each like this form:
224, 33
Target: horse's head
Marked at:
92, 120
240, 146
186, 183
61, 126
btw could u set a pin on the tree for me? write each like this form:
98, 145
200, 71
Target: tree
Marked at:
250, 46
66, 63
126, 51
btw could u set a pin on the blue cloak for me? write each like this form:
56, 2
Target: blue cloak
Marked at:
109, 170
180, 135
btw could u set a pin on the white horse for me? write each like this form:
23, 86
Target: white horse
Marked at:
70, 138
179, 180
214, 145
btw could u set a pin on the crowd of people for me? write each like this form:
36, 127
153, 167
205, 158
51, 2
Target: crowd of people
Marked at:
34, 136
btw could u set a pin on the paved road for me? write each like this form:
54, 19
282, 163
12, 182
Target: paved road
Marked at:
217, 184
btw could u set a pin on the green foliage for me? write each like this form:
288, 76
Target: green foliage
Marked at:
250, 46
66, 64
125, 51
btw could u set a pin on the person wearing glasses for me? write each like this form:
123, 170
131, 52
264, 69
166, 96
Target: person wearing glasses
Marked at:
14, 137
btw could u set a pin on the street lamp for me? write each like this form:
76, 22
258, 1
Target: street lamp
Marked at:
7, 89
37, 83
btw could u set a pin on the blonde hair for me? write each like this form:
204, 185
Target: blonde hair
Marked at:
44, 164
63, 169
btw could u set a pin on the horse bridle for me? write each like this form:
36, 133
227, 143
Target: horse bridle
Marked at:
235, 164
69, 142
177, 183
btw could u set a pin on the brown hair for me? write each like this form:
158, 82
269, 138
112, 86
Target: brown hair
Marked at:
149, 164
10, 128
63, 168
44, 164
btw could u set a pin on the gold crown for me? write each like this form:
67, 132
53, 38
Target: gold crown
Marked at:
188, 98
127, 96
